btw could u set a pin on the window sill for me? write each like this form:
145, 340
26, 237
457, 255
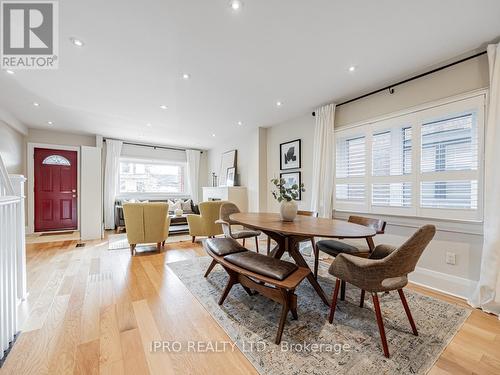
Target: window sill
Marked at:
448, 225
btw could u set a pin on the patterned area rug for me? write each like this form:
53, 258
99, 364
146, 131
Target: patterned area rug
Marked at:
350, 346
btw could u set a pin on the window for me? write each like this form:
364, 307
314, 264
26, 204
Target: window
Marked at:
426, 163
56, 160
151, 176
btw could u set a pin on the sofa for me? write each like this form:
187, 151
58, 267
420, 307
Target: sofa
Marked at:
177, 224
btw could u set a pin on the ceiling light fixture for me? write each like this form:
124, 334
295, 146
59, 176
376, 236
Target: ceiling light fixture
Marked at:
148, 124
8, 71
50, 123
186, 76
236, 5
352, 68
279, 104
36, 104
77, 42
213, 135
240, 123
163, 106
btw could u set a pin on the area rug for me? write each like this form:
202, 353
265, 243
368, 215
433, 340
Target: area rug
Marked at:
120, 242
350, 346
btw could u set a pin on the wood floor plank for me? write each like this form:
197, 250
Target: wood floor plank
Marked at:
91, 310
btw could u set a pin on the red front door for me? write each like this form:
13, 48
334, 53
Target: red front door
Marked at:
55, 190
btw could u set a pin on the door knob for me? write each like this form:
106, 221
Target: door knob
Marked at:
74, 195
73, 191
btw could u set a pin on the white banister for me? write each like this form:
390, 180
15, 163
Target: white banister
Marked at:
12, 255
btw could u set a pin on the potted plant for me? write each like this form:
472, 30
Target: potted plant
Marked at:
286, 196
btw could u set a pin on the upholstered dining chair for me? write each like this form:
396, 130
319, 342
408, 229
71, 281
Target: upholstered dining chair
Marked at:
386, 269
334, 247
303, 213
226, 210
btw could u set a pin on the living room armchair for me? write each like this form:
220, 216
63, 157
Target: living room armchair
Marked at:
146, 223
204, 223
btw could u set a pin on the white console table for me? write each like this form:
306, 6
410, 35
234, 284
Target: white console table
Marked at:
234, 194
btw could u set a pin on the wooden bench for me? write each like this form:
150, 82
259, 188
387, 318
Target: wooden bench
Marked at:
273, 278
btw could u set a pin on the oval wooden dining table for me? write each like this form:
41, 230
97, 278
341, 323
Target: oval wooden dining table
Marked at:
288, 235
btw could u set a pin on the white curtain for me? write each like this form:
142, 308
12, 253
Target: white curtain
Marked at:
193, 173
487, 294
323, 161
111, 175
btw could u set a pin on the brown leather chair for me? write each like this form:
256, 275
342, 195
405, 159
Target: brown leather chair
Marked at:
303, 213
334, 247
386, 269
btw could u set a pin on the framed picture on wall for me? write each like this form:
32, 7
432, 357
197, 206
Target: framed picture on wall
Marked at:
290, 155
292, 178
228, 160
231, 173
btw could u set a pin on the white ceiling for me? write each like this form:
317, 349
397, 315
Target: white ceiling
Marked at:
295, 51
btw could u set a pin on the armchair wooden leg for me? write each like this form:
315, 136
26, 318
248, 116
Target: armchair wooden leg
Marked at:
257, 244
334, 300
158, 246
380, 323
193, 239
210, 267
407, 310
132, 249
243, 242
342, 291
362, 299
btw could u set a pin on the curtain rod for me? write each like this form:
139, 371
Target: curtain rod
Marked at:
152, 146
391, 87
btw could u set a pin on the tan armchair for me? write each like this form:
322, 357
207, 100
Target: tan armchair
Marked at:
204, 223
146, 223
385, 270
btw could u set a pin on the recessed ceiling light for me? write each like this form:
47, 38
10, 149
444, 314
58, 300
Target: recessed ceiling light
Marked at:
240, 123
50, 123
148, 124
8, 71
236, 5
352, 68
186, 76
77, 42
279, 104
213, 135
163, 106
36, 104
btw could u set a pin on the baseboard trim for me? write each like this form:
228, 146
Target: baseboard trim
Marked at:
441, 282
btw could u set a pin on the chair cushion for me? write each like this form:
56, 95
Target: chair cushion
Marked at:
334, 248
263, 265
245, 233
224, 246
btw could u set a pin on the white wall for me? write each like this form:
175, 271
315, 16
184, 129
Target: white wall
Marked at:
12, 149
53, 137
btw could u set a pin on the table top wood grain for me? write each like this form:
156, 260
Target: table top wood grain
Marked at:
303, 225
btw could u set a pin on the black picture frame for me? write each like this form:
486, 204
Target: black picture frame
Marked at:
298, 180
291, 158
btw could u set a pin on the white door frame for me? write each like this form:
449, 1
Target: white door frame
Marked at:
31, 180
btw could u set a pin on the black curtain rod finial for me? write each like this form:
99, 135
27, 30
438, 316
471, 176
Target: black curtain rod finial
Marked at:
314, 114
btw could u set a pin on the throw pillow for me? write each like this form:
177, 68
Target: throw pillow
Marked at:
186, 206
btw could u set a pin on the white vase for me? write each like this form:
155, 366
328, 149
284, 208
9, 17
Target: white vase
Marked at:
288, 210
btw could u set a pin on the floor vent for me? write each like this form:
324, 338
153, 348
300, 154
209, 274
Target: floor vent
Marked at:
80, 245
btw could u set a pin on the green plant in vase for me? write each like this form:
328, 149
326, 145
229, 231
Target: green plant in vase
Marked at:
287, 197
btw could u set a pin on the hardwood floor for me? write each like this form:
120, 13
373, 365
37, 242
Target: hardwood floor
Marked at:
92, 311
